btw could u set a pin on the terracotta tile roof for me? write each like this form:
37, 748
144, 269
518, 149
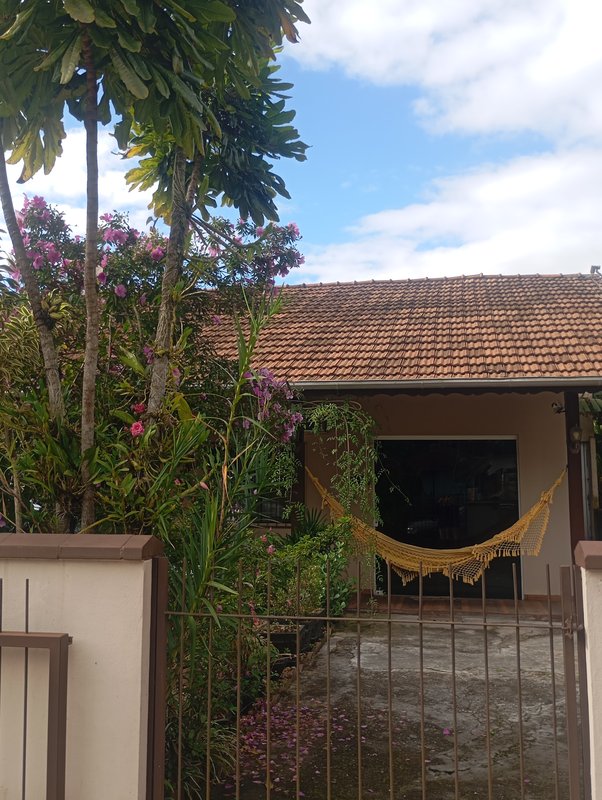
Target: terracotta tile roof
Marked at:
468, 328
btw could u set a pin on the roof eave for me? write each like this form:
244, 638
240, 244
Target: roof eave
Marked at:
584, 383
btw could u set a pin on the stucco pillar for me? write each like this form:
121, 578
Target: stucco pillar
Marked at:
588, 556
104, 592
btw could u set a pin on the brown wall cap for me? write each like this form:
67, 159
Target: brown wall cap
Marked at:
588, 555
93, 546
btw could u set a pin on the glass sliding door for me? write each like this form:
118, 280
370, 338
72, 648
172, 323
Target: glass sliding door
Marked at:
448, 493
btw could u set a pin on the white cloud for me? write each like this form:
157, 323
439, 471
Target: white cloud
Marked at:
534, 214
484, 66
65, 186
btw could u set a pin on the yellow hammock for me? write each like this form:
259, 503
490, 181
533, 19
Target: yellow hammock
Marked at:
466, 563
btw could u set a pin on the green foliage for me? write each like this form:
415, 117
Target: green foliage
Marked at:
297, 571
195, 76
254, 129
344, 438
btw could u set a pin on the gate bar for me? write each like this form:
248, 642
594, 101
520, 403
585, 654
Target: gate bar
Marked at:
570, 682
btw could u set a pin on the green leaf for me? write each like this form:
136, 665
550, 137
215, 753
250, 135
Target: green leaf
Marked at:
221, 587
123, 416
182, 11
139, 66
71, 59
128, 76
103, 19
160, 84
52, 56
20, 20
81, 10
131, 7
146, 19
129, 360
129, 42
182, 407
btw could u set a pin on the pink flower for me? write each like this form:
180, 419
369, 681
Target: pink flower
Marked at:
259, 231
271, 550
447, 732
138, 408
176, 375
137, 429
293, 228
219, 608
204, 486
157, 254
115, 236
213, 252
142, 300
106, 217
53, 255
149, 353
104, 260
102, 278
120, 290
263, 539
177, 482
38, 262
216, 319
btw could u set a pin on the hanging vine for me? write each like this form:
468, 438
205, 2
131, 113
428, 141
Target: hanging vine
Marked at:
344, 437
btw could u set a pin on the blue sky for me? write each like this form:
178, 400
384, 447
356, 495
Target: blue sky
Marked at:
368, 151
446, 139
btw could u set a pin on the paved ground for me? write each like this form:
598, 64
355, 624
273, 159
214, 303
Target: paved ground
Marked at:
443, 736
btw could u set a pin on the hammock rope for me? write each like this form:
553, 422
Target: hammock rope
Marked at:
524, 538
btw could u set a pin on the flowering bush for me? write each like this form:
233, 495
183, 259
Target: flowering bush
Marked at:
223, 262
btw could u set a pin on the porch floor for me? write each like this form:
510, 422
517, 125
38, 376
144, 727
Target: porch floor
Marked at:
408, 605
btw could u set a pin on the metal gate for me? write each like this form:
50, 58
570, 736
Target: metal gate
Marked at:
399, 699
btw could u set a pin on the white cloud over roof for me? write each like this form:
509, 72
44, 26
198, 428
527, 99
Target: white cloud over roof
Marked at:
534, 214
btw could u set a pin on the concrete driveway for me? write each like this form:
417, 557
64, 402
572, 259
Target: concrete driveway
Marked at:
443, 735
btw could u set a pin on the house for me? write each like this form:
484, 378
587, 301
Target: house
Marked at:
474, 384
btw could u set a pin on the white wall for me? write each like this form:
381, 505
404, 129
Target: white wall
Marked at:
105, 607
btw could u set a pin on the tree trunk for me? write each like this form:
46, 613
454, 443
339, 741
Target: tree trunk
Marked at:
16, 484
171, 274
56, 402
90, 283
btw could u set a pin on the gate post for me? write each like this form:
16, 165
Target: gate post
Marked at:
588, 556
108, 594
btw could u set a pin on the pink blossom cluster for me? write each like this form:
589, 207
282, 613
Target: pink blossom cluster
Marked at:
42, 253
137, 428
273, 397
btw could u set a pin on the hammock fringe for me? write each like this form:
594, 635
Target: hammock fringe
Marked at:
525, 537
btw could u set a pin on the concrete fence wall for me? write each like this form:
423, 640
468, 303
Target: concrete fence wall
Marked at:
100, 591
588, 556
